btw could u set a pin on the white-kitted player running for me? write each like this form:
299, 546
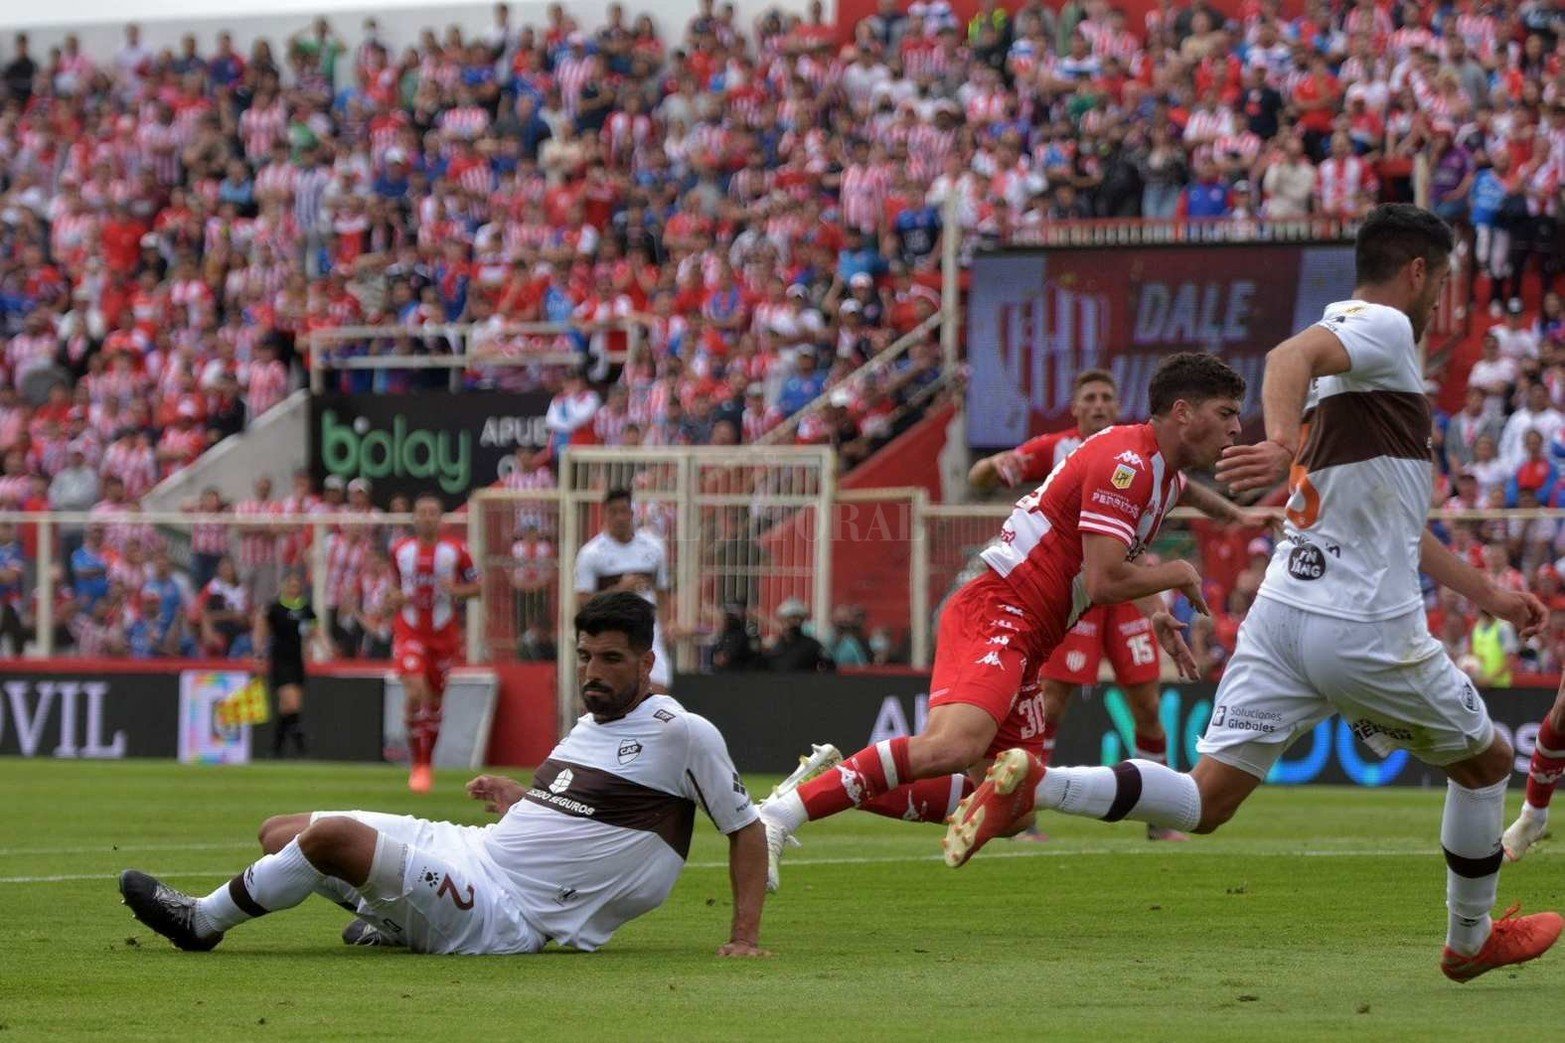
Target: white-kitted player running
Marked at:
622, 557
598, 839
1338, 625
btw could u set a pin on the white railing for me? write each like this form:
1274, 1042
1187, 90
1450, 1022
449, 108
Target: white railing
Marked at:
472, 346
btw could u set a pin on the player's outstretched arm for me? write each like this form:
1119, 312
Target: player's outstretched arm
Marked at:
1290, 366
1523, 611
747, 873
1111, 579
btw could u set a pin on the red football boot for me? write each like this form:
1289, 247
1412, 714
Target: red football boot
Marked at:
993, 808
1515, 939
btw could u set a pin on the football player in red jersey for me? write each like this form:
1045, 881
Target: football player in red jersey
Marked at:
1071, 543
433, 575
1120, 632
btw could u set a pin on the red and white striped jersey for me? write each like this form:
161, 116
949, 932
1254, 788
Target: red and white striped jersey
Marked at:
863, 195
346, 556
1116, 484
261, 128
1340, 182
424, 572
268, 386
209, 538
1480, 32
257, 547
465, 121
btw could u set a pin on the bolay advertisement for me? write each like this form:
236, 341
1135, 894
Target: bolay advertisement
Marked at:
409, 444
1036, 318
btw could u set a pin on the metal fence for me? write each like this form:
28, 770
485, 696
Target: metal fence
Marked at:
745, 528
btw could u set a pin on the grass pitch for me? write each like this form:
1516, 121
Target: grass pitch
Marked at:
1317, 914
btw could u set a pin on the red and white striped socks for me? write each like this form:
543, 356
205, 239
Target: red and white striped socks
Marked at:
870, 773
1548, 765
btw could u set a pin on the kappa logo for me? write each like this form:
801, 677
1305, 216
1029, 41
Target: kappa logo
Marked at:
562, 781
852, 785
1129, 457
1004, 624
663, 715
1012, 609
1122, 477
629, 750
989, 659
1000, 639
1074, 661
1007, 535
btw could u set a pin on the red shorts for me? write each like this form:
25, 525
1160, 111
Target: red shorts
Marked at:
982, 652
426, 656
1121, 632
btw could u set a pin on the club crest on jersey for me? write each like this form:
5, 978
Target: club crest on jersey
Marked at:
562, 782
629, 750
1122, 477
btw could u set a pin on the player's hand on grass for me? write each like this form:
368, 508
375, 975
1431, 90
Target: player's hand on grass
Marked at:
749, 949
496, 791
1170, 634
1522, 611
1245, 468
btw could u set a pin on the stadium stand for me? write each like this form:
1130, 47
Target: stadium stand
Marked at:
765, 203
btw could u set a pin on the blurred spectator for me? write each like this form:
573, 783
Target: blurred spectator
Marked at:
1494, 645
849, 644
738, 644
792, 650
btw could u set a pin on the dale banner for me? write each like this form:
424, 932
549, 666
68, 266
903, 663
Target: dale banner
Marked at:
1036, 318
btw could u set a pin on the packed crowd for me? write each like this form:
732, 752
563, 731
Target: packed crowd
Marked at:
765, 206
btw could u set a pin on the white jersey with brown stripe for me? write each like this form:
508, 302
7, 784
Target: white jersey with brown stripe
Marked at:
604, 831
1361, 484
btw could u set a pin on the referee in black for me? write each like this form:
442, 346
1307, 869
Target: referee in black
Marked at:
281, 631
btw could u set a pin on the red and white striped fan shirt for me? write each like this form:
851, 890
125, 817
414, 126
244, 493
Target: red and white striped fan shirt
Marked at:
257, 547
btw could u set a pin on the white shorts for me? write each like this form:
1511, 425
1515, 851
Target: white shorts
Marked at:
662, 664
434, 889
1390, 679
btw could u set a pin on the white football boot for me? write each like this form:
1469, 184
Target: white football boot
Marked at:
822, 758
1531, 826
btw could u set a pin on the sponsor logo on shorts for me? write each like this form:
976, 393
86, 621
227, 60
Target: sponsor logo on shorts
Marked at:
1246, 719
1122, 477
1306, 562
629, 750
1366, 729
1075, 661
563, 895
988, 659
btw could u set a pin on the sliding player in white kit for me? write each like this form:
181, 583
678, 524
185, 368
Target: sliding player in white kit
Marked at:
1339, 625
622, 557
599, 838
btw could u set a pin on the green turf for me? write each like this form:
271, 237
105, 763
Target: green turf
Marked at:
1317, 914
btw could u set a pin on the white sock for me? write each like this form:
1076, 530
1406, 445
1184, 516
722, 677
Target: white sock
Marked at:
787, 811
273, 882
1138, 789
1470, 834
338, 892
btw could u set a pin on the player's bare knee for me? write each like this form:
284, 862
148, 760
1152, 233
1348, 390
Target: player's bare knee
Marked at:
324, 840
277, 831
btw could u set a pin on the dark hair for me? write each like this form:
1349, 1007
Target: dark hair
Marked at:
1094, 376
1394, 234
618, 612
615, 494
429, 494
1193, 376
